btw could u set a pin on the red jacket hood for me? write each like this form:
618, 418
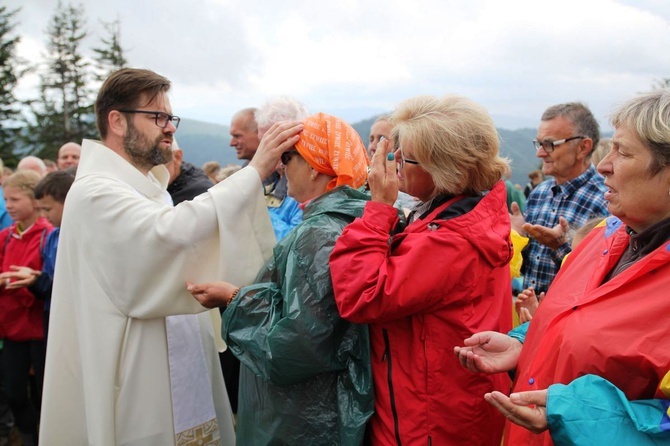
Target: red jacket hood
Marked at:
487, 226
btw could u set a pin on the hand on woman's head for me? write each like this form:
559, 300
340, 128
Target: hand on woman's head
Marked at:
277, 140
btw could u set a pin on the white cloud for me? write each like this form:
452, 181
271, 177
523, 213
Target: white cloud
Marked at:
364, 56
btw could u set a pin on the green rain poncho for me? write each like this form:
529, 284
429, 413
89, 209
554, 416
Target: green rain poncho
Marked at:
305, 376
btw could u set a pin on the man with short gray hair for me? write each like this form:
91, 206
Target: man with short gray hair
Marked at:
244, 134
566, 137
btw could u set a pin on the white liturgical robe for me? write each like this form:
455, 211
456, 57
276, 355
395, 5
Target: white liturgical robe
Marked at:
124, 257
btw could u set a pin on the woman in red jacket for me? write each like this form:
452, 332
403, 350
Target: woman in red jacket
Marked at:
593, 366
442, 276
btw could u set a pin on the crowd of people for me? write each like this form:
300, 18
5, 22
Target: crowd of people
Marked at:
325, 292
31, 206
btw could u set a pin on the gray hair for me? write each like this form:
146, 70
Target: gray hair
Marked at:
248, 115
580, 116
32, 163
280, 108
648, 114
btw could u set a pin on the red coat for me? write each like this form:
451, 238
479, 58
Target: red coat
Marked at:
617, 331
20, 313
423, 291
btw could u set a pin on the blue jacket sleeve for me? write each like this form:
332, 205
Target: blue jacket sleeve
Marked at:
591, 410
41, 289
519, 333
5, 219
285, 217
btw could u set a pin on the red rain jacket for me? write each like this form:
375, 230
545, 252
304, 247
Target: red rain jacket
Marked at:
617, 331
20, 313
423, 291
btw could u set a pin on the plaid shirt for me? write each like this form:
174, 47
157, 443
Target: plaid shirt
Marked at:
578, 201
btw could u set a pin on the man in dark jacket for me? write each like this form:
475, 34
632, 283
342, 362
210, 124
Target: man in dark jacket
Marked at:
186, 180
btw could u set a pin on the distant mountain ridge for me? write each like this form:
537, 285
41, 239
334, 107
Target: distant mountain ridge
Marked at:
204, 141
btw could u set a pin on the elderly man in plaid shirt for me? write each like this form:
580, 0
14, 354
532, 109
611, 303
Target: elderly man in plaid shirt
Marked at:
566, 137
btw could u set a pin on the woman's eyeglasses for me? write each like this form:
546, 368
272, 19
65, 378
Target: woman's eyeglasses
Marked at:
404, 160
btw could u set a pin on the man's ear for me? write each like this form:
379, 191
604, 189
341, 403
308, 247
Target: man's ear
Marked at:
178, 156
117, 123
585, 148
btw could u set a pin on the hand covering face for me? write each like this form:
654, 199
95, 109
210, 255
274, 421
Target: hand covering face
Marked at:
334, 148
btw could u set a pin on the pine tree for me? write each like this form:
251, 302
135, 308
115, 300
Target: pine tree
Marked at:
661, 83
110, 57
10, 73
64, 111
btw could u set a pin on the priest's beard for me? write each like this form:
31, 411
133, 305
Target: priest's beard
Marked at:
143, 153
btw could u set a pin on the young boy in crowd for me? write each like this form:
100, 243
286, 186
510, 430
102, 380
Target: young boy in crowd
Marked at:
20, 312
50, 194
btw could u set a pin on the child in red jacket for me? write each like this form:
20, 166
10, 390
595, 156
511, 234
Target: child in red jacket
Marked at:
20, 313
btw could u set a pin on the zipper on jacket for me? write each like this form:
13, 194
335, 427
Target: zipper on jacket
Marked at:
387, 357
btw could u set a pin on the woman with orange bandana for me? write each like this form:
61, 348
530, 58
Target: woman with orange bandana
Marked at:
305, 375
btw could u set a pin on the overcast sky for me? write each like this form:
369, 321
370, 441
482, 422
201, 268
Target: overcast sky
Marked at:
358, 58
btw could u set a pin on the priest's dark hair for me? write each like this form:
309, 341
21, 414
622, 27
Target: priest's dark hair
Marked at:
123, 90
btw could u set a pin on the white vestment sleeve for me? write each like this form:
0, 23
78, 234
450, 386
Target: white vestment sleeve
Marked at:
225, 234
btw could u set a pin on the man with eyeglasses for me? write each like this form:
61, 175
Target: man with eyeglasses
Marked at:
132, 357
566, 137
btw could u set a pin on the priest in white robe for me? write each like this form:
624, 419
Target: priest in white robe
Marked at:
131, 356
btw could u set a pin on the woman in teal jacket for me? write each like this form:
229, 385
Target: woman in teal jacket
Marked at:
305, 376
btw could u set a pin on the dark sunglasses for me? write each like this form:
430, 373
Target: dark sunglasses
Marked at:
286, 156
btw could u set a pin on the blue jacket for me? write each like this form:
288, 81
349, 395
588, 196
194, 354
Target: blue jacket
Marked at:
42, 286
5, 219
285, 213
285, 217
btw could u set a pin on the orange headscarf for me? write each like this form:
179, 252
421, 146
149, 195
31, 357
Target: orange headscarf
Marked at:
332, 147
